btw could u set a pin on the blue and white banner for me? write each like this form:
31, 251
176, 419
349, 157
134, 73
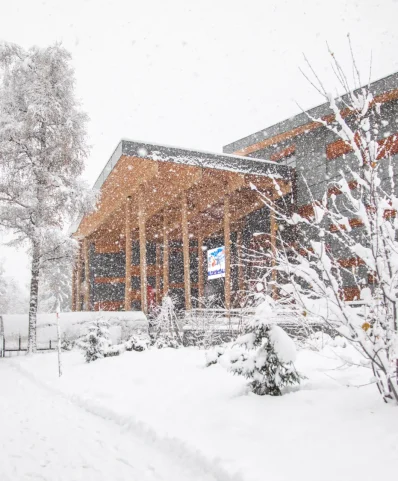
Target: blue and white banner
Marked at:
216, 263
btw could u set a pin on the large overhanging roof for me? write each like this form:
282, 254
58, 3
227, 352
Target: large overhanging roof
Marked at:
161, 174
231, 163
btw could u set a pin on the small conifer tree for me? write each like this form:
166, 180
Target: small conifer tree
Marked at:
165, 328
264, 354
96, 343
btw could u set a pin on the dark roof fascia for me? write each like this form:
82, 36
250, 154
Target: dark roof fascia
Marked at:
161, 153
378, 87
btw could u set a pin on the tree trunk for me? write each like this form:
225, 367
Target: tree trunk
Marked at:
34, 296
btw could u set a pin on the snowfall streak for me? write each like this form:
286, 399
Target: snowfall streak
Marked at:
166, 199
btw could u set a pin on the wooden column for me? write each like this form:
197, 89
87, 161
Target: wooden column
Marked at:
158, 296
274, 228
185, 250
73, 307
241, 276
86, 250
79, 278
166, 254
200, 271
142, 236
128, 250
227, 244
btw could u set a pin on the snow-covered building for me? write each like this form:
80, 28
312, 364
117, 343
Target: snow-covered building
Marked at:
163, 209
161, 213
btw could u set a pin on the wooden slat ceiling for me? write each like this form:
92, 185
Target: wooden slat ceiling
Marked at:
163, 184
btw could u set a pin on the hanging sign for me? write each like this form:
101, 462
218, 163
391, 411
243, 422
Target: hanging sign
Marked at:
216, 263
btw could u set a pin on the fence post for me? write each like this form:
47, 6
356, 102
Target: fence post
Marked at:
2, 338
19, 342
50, 344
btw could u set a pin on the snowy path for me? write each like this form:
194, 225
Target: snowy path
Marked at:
43, 436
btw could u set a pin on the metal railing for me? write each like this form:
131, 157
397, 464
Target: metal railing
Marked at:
20, 344
214, 326
220, 319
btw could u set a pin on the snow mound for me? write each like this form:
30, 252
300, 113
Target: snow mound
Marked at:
283, 344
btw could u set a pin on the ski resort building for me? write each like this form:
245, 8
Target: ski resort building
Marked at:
175, 221
161, 211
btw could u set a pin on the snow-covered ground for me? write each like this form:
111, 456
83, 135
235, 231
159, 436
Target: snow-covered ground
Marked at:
45, 436
199, 418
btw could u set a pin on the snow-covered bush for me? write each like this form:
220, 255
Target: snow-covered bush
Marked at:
136, 344
318, 340
133, 344
113, 351
213, 355
164, 327
96, 343
165, 340
264, 354
67, 344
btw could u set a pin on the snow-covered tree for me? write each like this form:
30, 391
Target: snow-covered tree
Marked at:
96, 343
3, 290
164, 329
315, 270
56, 278
13, 298
264, 354
42, 152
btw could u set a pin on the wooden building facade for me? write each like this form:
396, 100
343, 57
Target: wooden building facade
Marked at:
159, 209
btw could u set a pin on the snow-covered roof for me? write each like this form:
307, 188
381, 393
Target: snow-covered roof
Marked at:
377, 87
163, 153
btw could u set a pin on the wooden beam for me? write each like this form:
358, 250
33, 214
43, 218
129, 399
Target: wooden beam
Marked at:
74, 272
142, 237
274, 227
157, 273
166, 254
185, 250
126, 179
86, 246
79, 278
209, 192
239, 242
227, 245
200, 271
129, 255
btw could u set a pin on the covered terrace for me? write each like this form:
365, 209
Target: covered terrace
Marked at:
158, 196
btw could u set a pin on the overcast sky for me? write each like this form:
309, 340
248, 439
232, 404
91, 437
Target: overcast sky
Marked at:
197, 74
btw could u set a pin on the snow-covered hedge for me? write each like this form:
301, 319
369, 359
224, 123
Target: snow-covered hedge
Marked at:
123, 325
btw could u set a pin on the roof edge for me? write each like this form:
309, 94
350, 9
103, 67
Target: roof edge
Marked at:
377, 87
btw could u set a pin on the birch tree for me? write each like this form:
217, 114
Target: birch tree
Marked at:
42, 152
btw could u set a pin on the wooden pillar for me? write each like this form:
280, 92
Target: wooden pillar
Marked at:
79, 278
227, 244
128, 250
158, 296
185, 250
74, 272
86, 251
274, 227
166, 254
142, 236
241, 275
200, 271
